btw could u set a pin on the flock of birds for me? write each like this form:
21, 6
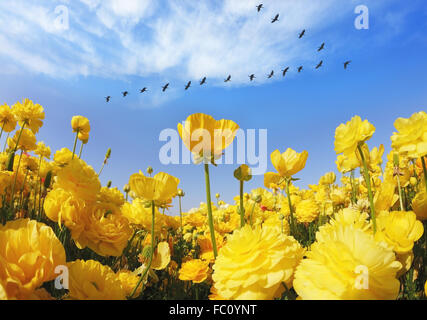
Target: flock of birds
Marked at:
252, 76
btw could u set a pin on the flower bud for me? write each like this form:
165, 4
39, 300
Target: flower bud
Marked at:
48, 179
217, 195
108, 154
281, 217
257, 198
243, 173
126, 188
10, 160
181, 193
109, 184
149, 170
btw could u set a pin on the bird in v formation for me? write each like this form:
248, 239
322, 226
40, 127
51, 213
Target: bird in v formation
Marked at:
252, 76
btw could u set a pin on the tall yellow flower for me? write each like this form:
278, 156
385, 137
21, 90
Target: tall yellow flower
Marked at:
80, 124
206, 137
348, 264
195, 270
29, 114
307, 211
254, 262
7, 119
42, 150
161, 188
411, 138
419, 203
29, 254
90, 280
27, 140
288, 163
349, 135
347, 163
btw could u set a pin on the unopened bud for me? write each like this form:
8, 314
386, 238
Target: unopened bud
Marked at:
149, 170
281, 217
126, 188
396, 159
181, 193
109, 184
257, 198
108, 154
10, 160
48, 179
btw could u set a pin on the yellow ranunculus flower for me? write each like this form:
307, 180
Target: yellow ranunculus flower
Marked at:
29, 114
307, 211
27, 141
328, 179
162, 256
129, 280
195, 270
137, 213
349, 135
206, 137
7, 119
62, 157
160, 188
288, 163
254, 262
419, 203
81, 125
80, 179
400, 229
348, 264
346, 163
411, 138
29, 254
42, 150
90, 280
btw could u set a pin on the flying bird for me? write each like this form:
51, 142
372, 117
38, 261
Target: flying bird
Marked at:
321, 47
228, 79
346, 64
319, 65
302, 34
125, 93
252, 77
259, 7
299, 69
188, 85
276, 18
285, 71
164, 88
203, 81
143, 90
107, 99
271, 74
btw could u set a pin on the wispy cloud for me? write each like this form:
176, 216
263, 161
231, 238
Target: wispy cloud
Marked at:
176, 39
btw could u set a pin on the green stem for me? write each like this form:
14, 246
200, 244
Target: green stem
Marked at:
252, 212
368, 185
151, 251
425, 171
291, 211
37, 183
400, 193
209, 204
2, 128
19, 137
22, 189
81, 149
5, 143
102, 168
16, 177
353, 189
242, 209
75, 143
180, 215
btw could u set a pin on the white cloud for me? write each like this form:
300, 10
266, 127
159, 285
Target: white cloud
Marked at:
175, 39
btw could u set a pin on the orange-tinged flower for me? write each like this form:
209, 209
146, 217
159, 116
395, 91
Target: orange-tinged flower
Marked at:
206, 137
29, 254
195, 270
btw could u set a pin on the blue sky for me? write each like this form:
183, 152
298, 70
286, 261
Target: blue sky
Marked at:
112, 46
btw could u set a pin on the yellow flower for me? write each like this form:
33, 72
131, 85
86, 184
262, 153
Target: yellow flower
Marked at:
411, 138
137, 213
346, 163
79, 179
161, 188
62, 157
206, 137
81, 125
112, 196
254, 263
42, 150
195, 270
27, 142
288, 163
307, 211
29, 114
419, 203
129, 280
162, 256
205, 244
400, 229
7, 119
243, 173
29, 254
349, 135
90, 280
328, 179
106, 231
348, 264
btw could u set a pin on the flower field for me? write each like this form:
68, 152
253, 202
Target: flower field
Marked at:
357, 236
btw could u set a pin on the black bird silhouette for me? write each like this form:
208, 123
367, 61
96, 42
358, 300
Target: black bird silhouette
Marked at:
276, 18
165, 87
143, 90
319, 65
125, 93
346, 64
321, 47
271, 74
107, 98
285, 71
259, 7
300, 69
252, 77
188, 85
203, 81
302, 34
228, 79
